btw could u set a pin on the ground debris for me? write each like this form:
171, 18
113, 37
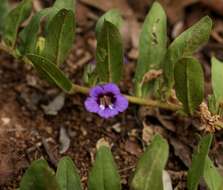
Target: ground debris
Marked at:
55, 105
209, 123
64, 140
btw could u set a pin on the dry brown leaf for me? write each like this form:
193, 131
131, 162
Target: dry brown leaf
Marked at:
177, 29
133, 148
106, 5
217, 32
181, 150
102, 142
147, 133
117, 127
64, 140
167, 124
151, 75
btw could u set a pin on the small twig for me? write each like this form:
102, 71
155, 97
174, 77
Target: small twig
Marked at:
49, 153
126, 169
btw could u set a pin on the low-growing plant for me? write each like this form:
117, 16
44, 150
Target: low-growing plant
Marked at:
161, 69
105, 176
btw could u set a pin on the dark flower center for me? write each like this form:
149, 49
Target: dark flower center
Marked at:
106, 100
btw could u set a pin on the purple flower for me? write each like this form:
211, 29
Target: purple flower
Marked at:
106, 100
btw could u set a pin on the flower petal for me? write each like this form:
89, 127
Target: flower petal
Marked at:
121, 103
91, 105
111, 87
95, 91
107, 113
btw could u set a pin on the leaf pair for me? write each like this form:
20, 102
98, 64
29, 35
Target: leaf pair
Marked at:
14, 20
104, 174
60, 32
55, 44
153, 51
185, 45
40, 177
148, 173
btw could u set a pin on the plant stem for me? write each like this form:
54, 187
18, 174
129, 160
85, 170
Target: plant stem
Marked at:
136, 100
6, 49
84, 90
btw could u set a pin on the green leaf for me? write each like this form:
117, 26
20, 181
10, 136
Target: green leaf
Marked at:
189, 83
109, 54
89, 76
14, 20
216, 79
113, 16
104, 174
211, 176
148, 173
196, 170
4, 9
64, 4
152, 46
212, 104
29, 35
67, 175
185, 45
39, 177
57, 6
51, 71
60, 36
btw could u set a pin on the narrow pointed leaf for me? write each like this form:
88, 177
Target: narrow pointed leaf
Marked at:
60, 36
152, 46
65, 4
109, 54
113, 16
212, 177
196, 170
212, 104
57, 6
4, 9
217, 77
14, 20
189, 83
104, 174
149, 169
67, 175
39, 177
185, 45
51, 71
29, 34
